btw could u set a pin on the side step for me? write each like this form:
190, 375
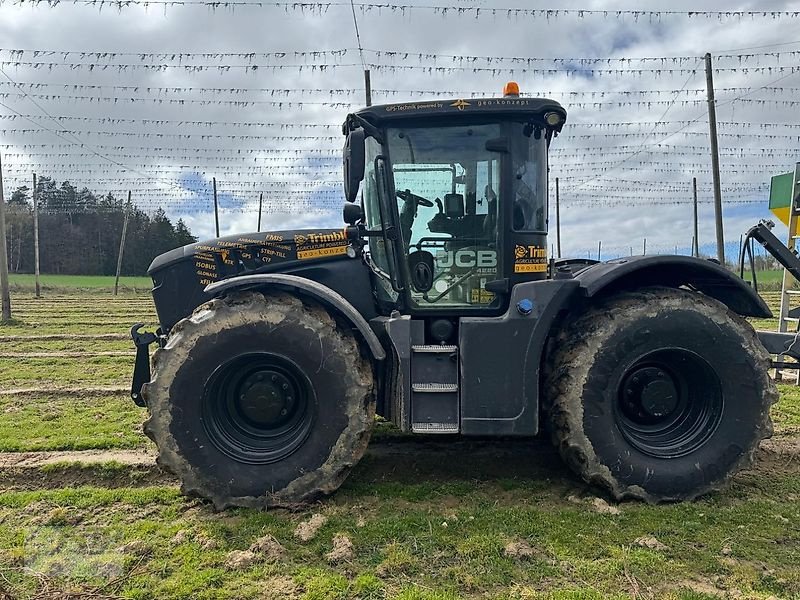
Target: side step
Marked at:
433, 348
434, 389
434, 427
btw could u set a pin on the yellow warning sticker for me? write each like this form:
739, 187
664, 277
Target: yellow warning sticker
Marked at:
319, 252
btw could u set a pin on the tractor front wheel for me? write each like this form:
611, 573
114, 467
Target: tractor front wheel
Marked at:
260, 400
661, 394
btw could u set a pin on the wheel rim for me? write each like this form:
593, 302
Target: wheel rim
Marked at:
258, 408
669, 403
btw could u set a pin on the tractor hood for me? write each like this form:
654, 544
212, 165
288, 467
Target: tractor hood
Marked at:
181, 275
224, 257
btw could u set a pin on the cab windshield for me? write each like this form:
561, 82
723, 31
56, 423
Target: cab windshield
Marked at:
449, 183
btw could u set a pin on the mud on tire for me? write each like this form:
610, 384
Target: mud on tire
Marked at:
661, 394
260, 400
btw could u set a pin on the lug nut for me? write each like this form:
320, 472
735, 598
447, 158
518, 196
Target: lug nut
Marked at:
274, 379
285, 386
283, 412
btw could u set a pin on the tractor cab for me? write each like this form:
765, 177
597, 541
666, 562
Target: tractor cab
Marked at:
453, 201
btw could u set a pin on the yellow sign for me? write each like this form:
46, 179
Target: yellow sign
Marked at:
530, 267
481, 296
319, 252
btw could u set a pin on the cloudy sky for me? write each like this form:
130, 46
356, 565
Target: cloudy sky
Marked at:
159, 99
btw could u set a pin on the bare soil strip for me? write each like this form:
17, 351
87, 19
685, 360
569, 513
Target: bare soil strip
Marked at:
29, 460
65, 336
83, 391
778, 455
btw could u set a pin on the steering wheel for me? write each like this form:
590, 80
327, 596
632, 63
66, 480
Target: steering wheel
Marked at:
407, 195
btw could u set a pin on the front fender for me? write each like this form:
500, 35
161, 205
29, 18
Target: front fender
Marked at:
322, 293
701, 275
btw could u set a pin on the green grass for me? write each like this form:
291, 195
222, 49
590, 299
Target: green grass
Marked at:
52, 422
69, 345
86, 325
786, 413
62, 372
768, 280
26, 281
429, 520
446, 542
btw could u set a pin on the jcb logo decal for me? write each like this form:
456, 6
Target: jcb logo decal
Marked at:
483, 259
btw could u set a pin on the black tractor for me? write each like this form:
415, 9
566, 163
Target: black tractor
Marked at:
436, 307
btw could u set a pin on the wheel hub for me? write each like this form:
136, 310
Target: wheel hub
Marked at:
650, 394
266, 398
669, 403
258, 408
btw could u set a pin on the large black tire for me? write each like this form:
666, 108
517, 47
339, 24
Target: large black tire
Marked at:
260, 400
661, 394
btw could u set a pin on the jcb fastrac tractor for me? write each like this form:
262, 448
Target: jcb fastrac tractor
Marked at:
437, 308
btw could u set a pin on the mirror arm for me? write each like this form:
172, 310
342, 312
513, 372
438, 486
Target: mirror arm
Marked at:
368, 127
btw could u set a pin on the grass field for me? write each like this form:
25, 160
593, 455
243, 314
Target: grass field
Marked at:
25, 281
85, 513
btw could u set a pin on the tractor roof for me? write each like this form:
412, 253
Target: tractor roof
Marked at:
472, 107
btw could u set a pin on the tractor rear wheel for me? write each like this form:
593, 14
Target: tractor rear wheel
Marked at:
260, 400
660, 394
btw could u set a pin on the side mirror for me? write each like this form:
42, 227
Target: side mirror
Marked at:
354, 157
420, 264
352, 213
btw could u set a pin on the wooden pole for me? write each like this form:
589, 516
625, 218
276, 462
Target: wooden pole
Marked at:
216, 207
5, 293
695, 239
599, 246
644, 247
122, 243
367, 87
260, 203
558, 220
740, 244
712, 130
36, 239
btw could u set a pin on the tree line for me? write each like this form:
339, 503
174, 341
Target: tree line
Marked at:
80, 231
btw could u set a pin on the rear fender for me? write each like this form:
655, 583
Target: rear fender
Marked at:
308, 287
704, 276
